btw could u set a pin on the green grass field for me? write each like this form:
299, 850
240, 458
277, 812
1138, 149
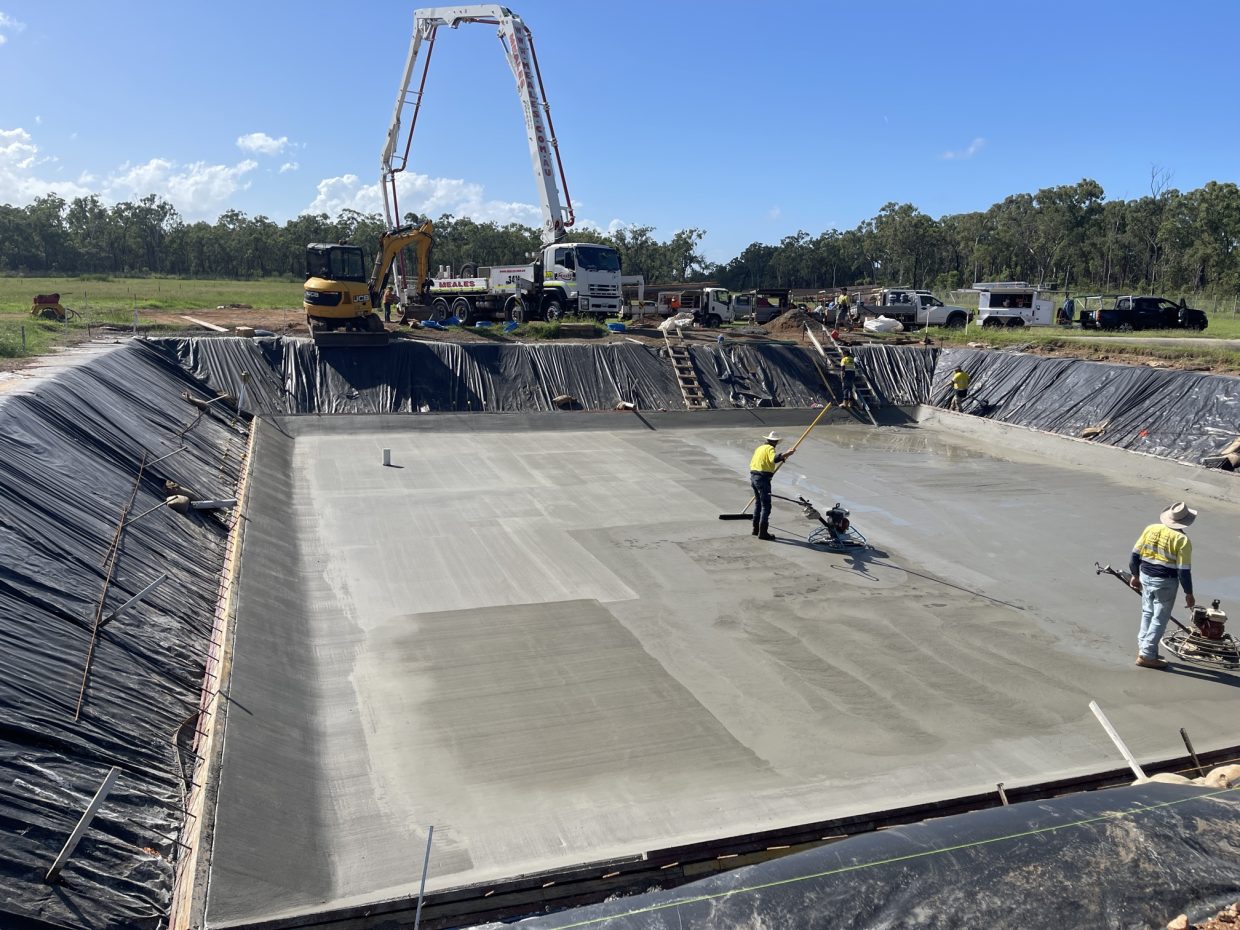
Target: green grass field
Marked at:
103, 300
106, 297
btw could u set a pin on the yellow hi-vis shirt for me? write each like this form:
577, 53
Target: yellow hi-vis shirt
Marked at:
763, 458
1164, 547
847, 362
960, 380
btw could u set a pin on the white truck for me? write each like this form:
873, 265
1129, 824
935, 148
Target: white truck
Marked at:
564, 277
1013, 304
568, 278
915, 308
710, 306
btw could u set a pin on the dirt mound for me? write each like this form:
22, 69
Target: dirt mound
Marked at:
790, 325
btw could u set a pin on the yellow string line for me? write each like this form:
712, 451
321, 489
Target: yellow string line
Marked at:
1144, 808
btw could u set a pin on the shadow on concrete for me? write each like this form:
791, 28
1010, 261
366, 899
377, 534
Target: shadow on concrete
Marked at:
1218, 676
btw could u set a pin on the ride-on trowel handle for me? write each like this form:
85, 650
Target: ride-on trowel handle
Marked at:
1126, 578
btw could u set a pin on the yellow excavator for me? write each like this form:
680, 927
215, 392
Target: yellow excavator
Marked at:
342, 302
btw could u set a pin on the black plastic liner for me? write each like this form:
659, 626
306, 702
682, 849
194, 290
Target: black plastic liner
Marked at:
291, 376
1183, 415
69, 458
1123, 858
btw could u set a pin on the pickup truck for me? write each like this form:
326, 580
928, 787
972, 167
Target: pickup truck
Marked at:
1129, 312
764, 304
915, 308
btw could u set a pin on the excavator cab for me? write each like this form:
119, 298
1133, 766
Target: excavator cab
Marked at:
338, 296
335, 262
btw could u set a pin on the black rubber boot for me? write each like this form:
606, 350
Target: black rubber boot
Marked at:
763, 534
755, 529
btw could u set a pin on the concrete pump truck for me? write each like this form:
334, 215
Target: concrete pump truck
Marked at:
564, 277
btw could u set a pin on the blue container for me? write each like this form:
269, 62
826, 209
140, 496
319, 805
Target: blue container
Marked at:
431, 324
616, 327
482, 324
510, 326
452, 321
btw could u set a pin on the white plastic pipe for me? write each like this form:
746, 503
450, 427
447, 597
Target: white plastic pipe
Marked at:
1119, 743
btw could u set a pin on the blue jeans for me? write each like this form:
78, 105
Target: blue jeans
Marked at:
1157, 599
760, 481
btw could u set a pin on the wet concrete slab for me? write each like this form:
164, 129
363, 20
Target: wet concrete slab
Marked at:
545, 644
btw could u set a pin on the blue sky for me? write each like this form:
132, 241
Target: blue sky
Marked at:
748, 120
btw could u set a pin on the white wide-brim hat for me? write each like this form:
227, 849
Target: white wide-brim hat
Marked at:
772, 436
1178, 516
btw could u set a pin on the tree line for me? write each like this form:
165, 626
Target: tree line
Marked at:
1068, 236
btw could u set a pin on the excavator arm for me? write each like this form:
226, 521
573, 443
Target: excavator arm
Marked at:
390, 245
518, 44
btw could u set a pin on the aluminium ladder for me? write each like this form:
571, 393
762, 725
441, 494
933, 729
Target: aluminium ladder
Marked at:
867, 397
686, 374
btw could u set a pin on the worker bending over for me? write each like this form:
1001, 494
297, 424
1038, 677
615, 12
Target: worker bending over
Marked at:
761, 471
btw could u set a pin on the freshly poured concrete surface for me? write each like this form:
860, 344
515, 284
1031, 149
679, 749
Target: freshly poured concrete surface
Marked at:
547, 645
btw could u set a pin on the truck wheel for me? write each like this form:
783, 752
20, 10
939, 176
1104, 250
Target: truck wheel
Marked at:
713, 321
469, 270
553, 310
957, 321
373, 323
439, 309
514, 310
1124, 327
1015, 323
462, 309
992, 322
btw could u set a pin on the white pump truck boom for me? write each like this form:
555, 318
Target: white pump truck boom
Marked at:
565, 277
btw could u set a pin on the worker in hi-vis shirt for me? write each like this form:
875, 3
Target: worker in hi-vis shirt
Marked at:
1162, 560
761, 471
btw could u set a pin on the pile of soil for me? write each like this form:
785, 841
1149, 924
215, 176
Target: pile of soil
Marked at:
790, 325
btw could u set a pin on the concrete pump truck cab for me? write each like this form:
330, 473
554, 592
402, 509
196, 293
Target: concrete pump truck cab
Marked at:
563, 278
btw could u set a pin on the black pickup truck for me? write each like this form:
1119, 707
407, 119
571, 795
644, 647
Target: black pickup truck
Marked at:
1139, 313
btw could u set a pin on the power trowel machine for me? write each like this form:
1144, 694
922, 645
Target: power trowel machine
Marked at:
1206, 643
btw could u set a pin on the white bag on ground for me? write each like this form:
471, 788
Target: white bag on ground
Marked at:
684, 319
883, 324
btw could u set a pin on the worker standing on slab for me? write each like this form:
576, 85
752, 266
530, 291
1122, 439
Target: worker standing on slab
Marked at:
848, 365
960, 384
761, 471
1161, 561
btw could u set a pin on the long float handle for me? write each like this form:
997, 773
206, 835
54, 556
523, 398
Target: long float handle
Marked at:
779, 465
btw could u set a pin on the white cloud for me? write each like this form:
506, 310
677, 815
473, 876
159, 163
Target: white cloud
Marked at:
423, 195
961, 154
289, 166
9, 24
19, 184
260, 143
195, 188
774, 213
